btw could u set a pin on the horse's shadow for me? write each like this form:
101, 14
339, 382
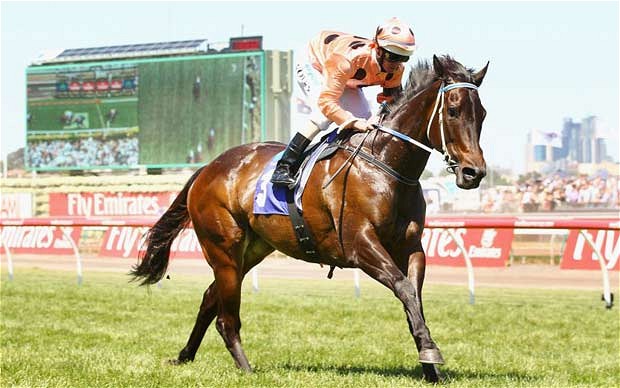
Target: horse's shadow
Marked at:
447, 374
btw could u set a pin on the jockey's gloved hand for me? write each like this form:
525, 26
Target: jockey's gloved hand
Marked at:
362, 125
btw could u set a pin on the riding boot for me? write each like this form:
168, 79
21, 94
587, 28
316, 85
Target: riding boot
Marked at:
289, 163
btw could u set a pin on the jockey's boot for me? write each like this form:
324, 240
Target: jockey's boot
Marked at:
289, 163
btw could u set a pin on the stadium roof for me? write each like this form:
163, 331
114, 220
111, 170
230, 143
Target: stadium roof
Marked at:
124, 51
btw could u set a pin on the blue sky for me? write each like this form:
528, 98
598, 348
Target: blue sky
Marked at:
549, 60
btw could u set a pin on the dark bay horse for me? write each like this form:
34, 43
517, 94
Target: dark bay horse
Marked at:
365, 218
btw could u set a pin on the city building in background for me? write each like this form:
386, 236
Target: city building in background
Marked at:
578, 149
156, 105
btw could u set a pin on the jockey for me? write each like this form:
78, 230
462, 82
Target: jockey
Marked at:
338, 66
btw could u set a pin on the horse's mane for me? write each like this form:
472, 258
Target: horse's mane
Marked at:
422, 76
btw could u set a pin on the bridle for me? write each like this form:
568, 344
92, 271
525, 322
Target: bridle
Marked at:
450, 162
439, 103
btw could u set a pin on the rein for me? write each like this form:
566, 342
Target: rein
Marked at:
439, 104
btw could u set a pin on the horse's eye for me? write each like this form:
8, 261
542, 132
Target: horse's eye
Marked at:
453, 112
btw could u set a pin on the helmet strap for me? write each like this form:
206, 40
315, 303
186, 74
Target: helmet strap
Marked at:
380, 57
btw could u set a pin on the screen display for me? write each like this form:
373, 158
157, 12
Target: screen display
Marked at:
159, 112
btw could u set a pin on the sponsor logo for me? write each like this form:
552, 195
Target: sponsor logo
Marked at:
40, 239
485, 247
15, 205
580, 255
127, 242
109, 204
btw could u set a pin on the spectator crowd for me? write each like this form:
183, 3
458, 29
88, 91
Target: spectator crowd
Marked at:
554, 193
83, 152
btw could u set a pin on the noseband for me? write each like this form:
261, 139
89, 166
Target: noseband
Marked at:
439, 103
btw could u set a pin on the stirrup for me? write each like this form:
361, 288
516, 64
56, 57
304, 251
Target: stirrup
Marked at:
283, 181
280, 178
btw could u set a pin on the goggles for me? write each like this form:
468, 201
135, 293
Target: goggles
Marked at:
391, 57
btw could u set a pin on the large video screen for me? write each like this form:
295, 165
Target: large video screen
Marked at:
171, 112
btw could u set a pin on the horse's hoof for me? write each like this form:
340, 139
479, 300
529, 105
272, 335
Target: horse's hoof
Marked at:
431, 356
245, 367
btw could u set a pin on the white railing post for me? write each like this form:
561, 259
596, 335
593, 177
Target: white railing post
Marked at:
356, 282
470, 267
9, 259
552, 250
76, 251
606, 288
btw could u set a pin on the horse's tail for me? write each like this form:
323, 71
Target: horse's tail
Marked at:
154, 261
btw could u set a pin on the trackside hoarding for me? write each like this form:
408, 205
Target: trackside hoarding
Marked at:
124, 235
126, 242
485, 247
578, 254
15, 205
46, 240
106, 204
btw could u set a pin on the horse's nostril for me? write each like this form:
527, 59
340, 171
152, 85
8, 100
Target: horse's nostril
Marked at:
470, 173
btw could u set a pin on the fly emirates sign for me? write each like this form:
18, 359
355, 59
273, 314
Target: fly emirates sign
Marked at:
40, 239
110, 204
578, 254
126, 243
485, 247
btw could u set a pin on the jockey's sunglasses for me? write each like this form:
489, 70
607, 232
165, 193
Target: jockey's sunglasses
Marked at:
391, 57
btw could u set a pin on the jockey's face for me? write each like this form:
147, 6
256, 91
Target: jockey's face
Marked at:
389, 61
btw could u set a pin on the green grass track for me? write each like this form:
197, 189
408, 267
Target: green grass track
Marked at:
298, 333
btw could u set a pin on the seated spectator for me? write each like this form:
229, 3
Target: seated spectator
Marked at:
83, 152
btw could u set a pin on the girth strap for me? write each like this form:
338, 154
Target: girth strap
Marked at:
301, 229
387, 169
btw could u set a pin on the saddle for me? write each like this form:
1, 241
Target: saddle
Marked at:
270, 199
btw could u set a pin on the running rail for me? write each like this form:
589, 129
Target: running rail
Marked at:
447, 222
572, 223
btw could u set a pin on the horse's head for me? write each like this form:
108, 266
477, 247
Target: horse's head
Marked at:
460, 114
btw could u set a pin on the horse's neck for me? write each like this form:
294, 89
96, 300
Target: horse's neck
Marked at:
411, 119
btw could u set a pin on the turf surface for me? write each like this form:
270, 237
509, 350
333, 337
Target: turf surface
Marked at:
298, 333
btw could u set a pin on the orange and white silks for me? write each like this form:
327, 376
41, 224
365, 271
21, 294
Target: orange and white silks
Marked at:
347, 62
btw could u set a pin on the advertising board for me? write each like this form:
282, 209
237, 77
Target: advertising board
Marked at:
47, 240
15, 205
104, 204
126, 242
578, 254
485, 247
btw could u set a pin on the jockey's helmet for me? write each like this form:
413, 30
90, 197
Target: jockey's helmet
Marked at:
395, 37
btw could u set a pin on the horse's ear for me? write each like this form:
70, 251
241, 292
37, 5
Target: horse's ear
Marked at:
438, 67
479, 76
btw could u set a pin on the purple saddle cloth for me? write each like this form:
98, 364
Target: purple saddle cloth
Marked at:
270, 199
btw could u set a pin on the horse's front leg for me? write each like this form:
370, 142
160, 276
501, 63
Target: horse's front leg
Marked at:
374, 260
415, 272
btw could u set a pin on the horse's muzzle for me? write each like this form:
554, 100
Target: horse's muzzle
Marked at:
468, 177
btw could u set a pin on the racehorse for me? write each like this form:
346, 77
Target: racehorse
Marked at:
367, 217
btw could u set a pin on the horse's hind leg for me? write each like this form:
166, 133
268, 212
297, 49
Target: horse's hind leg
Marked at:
206, 314
230, 251
255, 252
228, 279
